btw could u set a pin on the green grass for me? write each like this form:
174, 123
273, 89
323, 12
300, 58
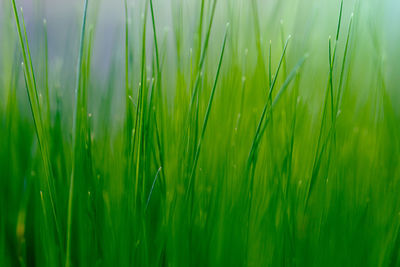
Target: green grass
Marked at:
241, 134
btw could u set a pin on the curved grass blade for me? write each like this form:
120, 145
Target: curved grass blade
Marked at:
266, 106
206, 116
40, 126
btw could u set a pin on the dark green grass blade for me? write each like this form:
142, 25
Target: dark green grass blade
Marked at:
206, 116
321, 147
202, 57
266, 106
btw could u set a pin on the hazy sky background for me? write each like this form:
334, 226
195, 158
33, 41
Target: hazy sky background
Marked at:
64, 20
64, 16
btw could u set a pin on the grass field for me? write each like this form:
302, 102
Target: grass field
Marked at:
200, 133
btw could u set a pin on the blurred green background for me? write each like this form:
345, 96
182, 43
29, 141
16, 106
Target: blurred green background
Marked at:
282, 149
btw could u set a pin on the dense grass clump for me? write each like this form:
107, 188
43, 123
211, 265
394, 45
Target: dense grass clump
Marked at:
194, 140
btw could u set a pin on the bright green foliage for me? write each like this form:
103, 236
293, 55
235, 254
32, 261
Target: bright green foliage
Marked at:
207, 144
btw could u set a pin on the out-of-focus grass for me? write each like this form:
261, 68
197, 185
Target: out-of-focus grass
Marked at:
205, 143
